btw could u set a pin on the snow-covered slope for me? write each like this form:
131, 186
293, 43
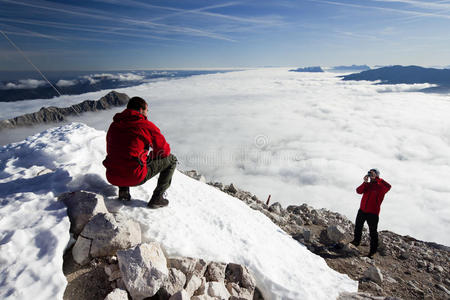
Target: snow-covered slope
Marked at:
200, 221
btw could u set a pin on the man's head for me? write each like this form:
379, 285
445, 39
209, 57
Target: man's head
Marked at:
138, 104
373, 173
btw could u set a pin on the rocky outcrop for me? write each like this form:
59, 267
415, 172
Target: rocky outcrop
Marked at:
104, 235
317, 69
141, 269
403, 268
117, 294
54, 114
81, 207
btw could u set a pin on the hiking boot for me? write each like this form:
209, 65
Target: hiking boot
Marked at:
124, 194
371, 254
157, 202
354, 243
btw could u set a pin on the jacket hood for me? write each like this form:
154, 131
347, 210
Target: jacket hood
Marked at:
129, 115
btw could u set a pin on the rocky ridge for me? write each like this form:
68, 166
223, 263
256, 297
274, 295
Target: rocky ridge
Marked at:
108, 260
403, 268
54, 114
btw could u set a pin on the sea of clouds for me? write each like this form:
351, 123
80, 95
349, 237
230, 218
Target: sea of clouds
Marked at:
302, 137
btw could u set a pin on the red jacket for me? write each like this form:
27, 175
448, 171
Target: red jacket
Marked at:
128, 140
373, 194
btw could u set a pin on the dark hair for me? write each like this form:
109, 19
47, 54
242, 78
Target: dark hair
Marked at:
136, 103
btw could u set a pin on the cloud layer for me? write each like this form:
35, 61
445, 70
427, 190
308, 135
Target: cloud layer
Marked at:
305, 137
23, 84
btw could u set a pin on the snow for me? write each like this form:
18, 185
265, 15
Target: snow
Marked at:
200, 222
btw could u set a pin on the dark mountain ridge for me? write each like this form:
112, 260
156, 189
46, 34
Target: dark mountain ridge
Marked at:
408, 75
54, 114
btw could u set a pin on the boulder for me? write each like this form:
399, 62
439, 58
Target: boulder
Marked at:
113, 272
175, 281
81, 249
231, 189
307, 234
109, 234
195, 175
217, 289
195, 283
374, 274
360, 296
117, 294
81, 207
189, 266
239, 274
296, 219
335, 233
215, 271
276, 208
181, 295
144, 269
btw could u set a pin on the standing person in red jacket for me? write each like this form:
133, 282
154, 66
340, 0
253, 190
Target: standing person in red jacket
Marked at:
369, 210
128, 163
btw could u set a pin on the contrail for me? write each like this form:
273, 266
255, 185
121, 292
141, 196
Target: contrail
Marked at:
29, 61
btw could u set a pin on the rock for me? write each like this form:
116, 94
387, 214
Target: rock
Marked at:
113, 272
404, 254
175, 281
195, 175
189, 266
350, 250
109, 235
180, 295
120, 284
276, 208
144, 269
421, 263
443, 288
360, 296
390, 279
335, 233
307, 235
415, 288
81, 207
296, 220
117, 294
217, 289
231, 189
215, 271
240, 293
439, 269
374, 274
193, 284
240, 275
81, 249
204, 297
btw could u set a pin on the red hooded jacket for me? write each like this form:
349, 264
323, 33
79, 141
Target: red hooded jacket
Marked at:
373, 194
128, 140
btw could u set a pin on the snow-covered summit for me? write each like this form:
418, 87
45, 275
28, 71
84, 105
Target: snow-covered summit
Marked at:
200, 221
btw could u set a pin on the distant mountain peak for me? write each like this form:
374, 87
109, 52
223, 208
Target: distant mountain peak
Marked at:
316, 69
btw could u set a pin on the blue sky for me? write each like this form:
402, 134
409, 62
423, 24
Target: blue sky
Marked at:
137, 34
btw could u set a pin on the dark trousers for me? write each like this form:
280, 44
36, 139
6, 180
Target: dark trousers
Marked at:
163, 166
372, 221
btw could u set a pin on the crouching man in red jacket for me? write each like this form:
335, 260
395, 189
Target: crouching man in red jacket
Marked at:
369, 210
128, 163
